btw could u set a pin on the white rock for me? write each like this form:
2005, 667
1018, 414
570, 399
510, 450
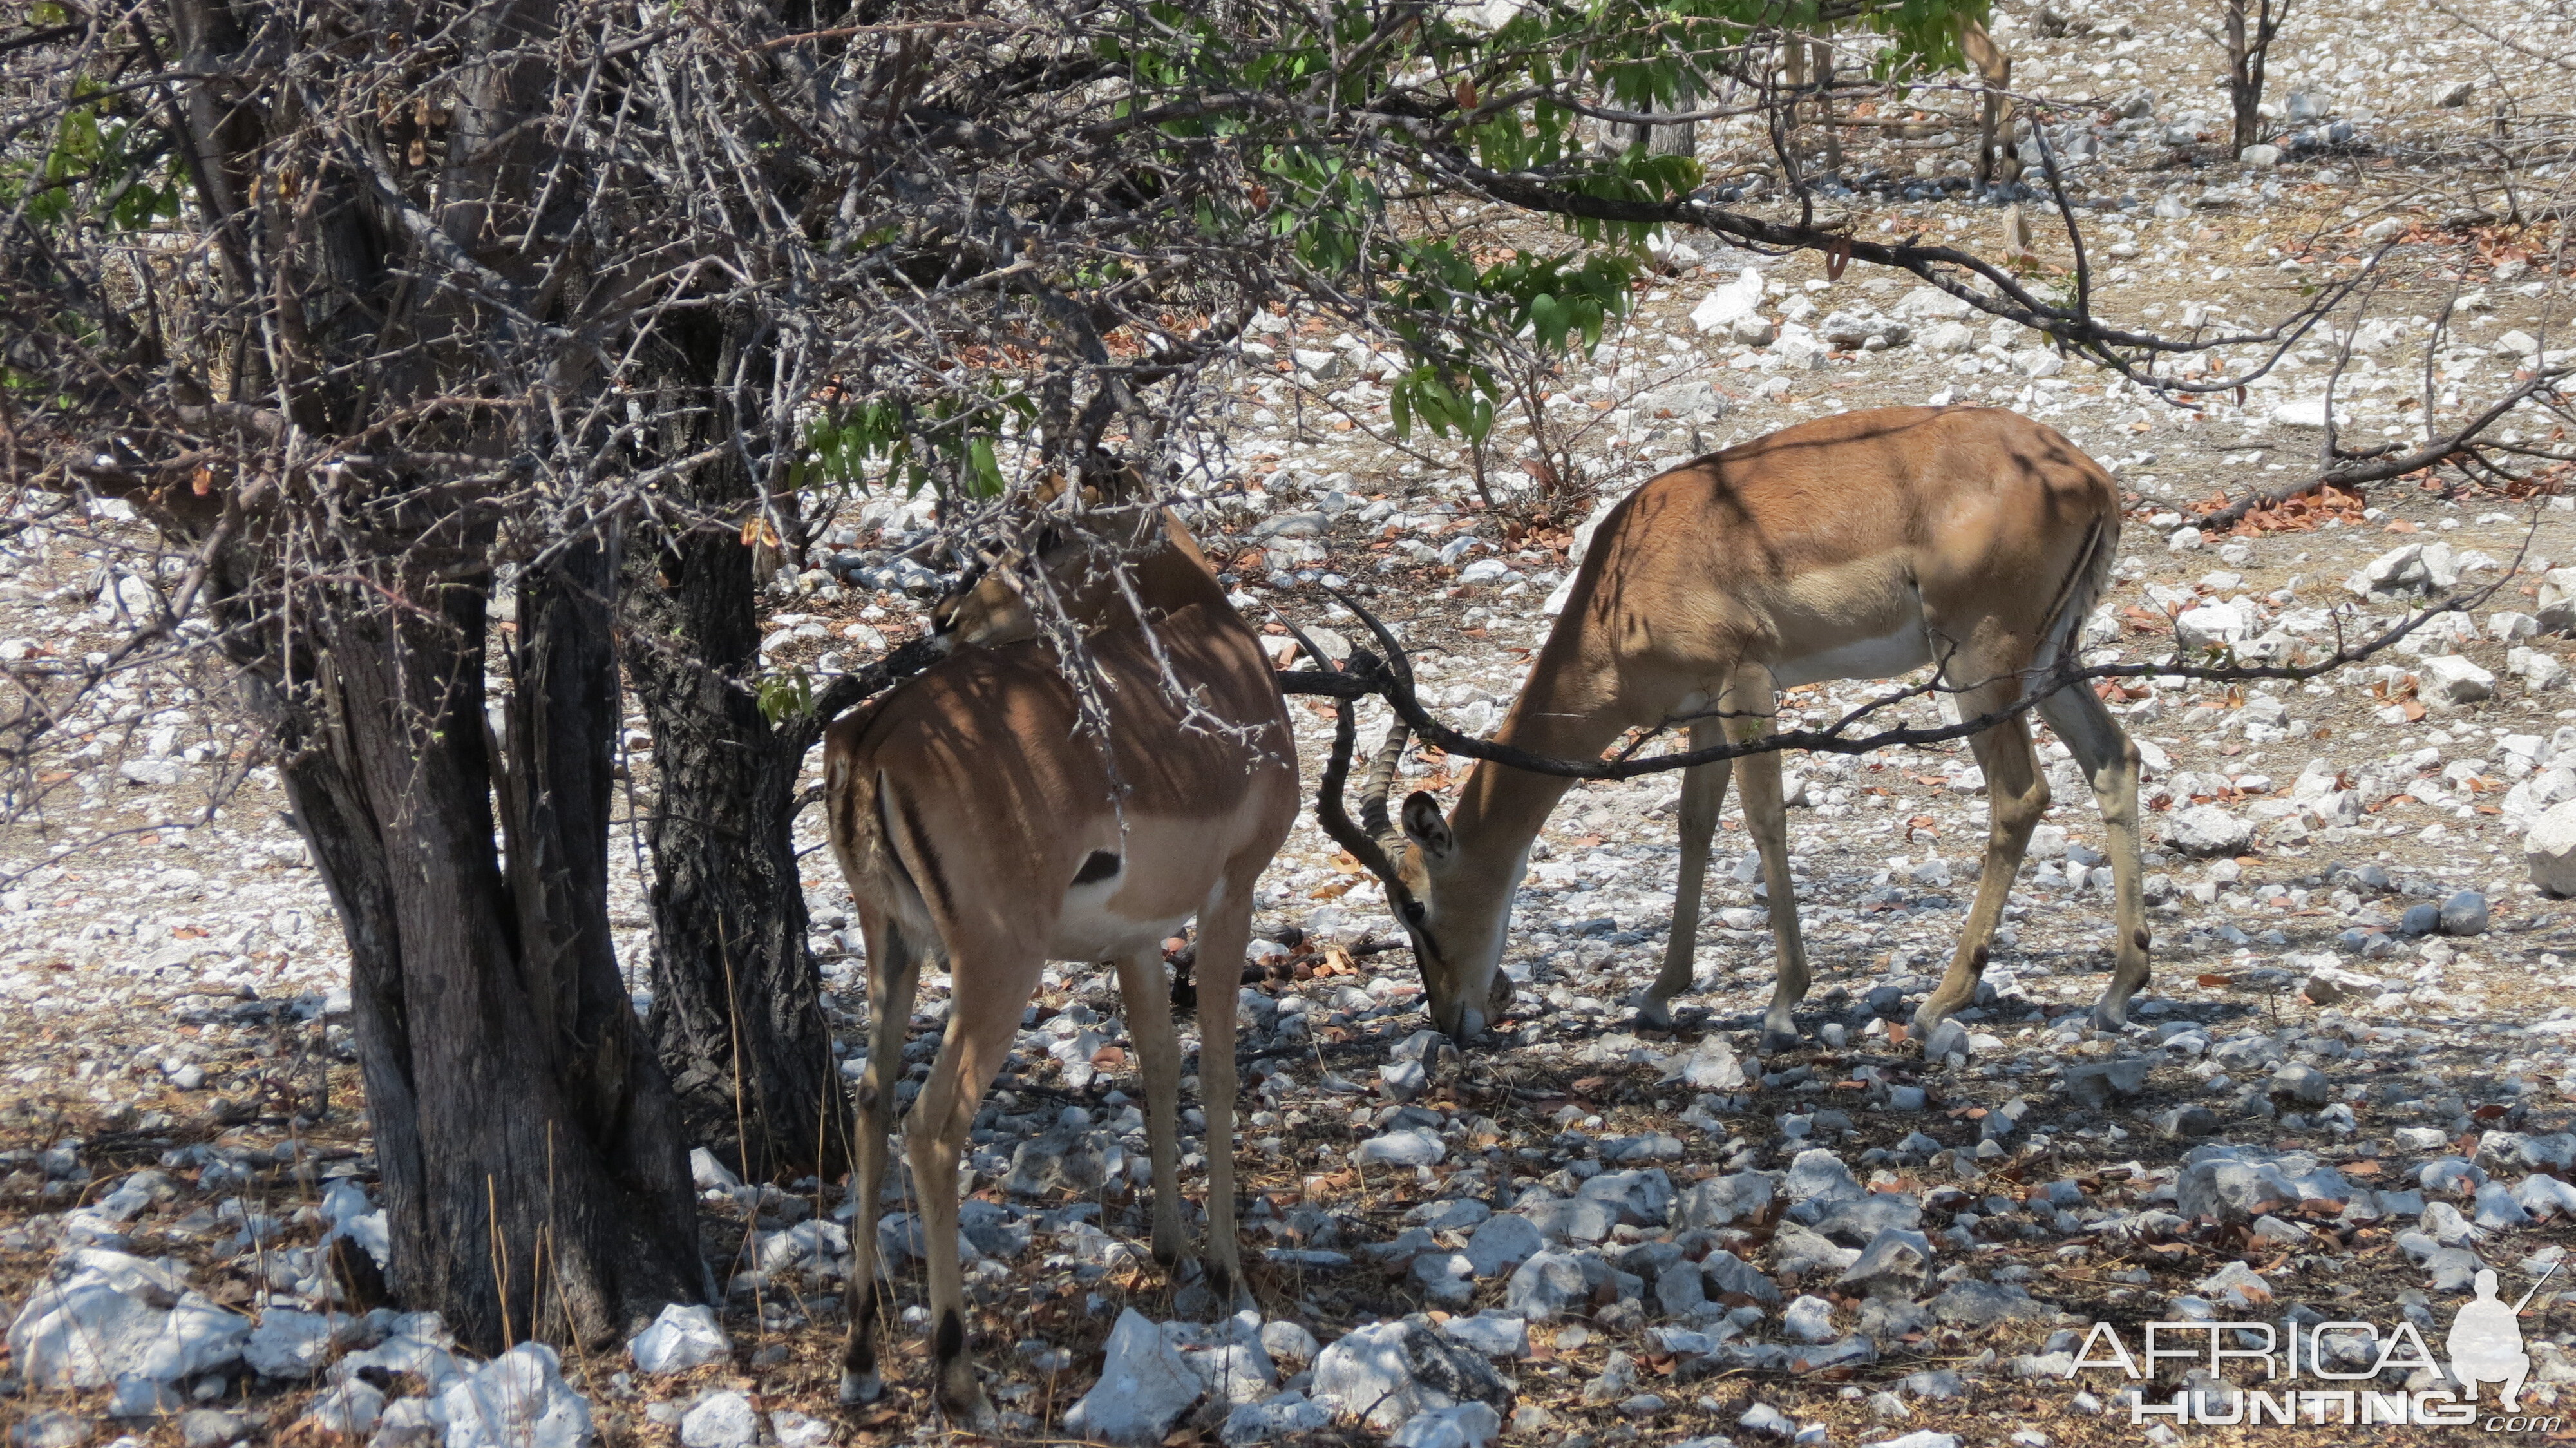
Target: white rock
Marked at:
1495, 1334
1855, 330
813, 1245
519, 1400
709, 1174
2306, 412
2556, 604
96, 1323
1696, 401
1929, 303
685, 1336
136, 1396
2443, 633
1713, 1066
1808, 1319
1283, 1416
288, 1343
1413, 1146
720, 1420
51, 1428
1389, 1372
2549, 850
82, 1333
2220, 625
2411, 568
2207, 830
795, 1430
2451, 681
1235, 1372
2537, 670
1737, 298
419, 1345
1145, 1386
1801, 352
1467, 1425
350, 1408
1289, 1342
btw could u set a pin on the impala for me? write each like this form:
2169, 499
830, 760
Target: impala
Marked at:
1859, 546
983, 816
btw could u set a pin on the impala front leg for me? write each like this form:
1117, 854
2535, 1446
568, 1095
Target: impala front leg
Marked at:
894, 971
1158, 1058
980, 1028
1766, 818
1703, 793
1225, 929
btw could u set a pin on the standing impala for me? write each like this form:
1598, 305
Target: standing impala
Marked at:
1858, 546
981, 818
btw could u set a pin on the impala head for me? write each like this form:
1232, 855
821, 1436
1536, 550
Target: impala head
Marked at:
1071, 543
1457, 931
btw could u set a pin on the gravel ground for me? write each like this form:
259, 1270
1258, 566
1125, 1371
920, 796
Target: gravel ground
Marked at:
2346, 1086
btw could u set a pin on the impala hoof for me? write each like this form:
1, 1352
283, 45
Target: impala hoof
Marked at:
2111, 1016
973, 1414
1777, 1039
1654, 1013
857, 1388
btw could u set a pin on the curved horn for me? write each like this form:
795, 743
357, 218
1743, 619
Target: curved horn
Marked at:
1399, 667
1399, 677
1381, 782
1364, 845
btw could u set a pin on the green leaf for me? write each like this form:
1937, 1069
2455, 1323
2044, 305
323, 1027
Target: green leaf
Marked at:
1548, 321
983, 474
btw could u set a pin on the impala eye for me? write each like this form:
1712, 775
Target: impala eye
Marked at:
1413, 912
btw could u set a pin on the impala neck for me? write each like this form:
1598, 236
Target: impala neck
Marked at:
1561, 714
1176, 575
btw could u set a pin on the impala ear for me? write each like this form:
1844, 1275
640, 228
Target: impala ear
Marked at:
1424, 826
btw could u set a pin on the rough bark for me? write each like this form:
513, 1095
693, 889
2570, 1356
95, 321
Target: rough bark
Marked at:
532, 1167
737, 1012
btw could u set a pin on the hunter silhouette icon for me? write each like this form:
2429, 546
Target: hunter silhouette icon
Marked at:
2486, 1341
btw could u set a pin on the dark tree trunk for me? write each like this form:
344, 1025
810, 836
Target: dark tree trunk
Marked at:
2251, 26
737, 1011
532, 1166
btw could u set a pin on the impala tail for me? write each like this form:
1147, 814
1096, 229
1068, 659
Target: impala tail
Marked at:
2076, 599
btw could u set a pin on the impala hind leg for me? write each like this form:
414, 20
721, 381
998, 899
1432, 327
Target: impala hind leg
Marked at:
1703, 791
1225, 929
1766, 818
1158, 1058
2109, 759
894, 973
2016, 797
983, 1016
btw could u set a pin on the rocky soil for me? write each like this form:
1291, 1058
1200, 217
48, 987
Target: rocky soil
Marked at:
2346, 1089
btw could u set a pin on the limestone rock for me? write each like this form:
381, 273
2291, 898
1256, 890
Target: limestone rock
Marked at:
1389, 1372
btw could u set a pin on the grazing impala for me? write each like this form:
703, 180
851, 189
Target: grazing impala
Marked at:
1859, 546
981, 819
